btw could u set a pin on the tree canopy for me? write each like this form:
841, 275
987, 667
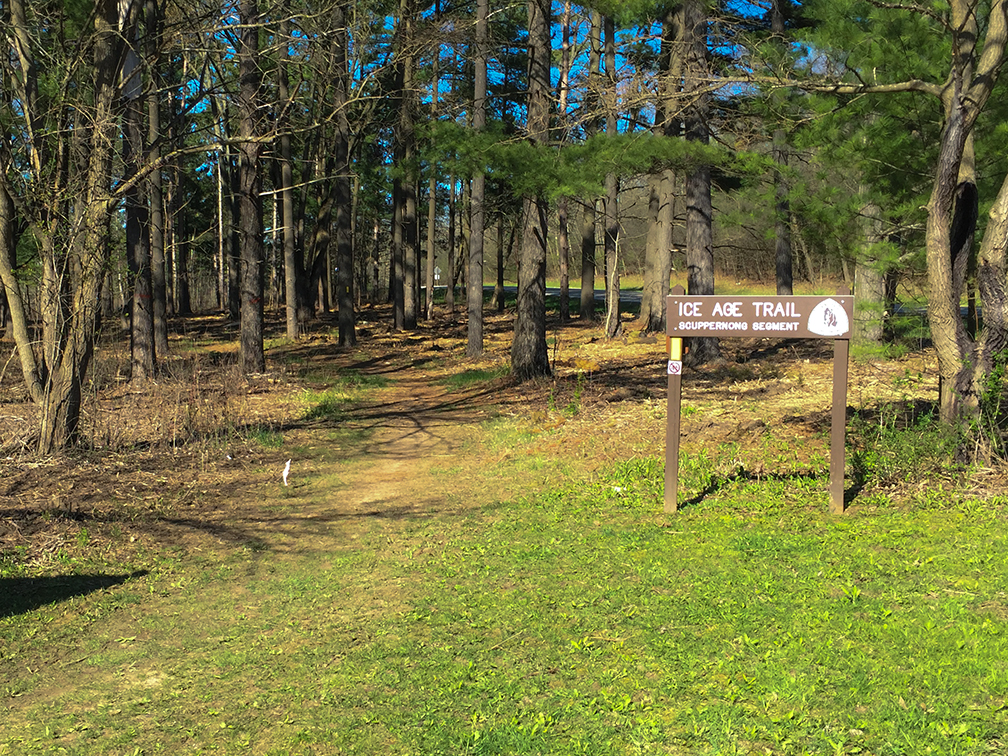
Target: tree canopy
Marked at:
224, 148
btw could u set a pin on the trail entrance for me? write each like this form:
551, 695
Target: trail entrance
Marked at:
800, 317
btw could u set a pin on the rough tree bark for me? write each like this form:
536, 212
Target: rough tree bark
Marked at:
661, 187
869, 283
138, 252
432, 182
253, 358
284, 105
474, 275
76, 258
563, 203
952, 207
406, 136
589, 242
782, 208
155, 193
699, 211
343, 199
529, 354
613, 325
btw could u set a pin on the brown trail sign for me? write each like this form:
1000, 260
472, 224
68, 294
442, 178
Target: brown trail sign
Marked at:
805, 317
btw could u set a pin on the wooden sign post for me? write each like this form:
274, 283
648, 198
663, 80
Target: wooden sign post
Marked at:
804, 317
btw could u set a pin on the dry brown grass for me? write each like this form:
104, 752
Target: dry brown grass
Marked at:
177, 461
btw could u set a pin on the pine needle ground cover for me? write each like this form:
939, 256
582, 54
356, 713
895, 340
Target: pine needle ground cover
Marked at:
468, 567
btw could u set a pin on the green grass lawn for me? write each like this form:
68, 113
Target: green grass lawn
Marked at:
579, 620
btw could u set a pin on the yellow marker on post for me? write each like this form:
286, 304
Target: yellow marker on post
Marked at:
675, 349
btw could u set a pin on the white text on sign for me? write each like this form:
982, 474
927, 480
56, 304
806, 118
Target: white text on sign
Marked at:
734, 310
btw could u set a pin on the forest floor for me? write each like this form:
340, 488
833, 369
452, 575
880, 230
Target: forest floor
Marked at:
178, 462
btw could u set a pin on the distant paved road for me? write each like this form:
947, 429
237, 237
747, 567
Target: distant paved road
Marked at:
632, 296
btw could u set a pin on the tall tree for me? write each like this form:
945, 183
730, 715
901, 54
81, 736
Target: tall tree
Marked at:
343, 198
404, 271
563, 203
432, 182
284, 106
975, 36
138, 253
253, 358
782, 211
588, 235
699, 209
869, 282
155, 196
73, 250
529, 354
662, 186
406, 134
474, 276
613, 325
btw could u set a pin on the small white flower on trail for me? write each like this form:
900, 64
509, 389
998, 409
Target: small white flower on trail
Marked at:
618, 489
286, 471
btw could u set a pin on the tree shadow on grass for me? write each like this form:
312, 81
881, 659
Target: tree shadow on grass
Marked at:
719, 482
23, 594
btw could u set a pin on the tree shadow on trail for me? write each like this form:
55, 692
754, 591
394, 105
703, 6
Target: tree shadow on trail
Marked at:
21, 595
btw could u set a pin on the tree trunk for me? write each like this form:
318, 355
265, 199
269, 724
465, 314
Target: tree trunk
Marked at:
699, 211
586, 310
311, 270
397, 264
992, 279
498, 296
474, 276
563, 238
782, 210
19, 322
450, 273
563, 250
410, 262
782, 219
5, 322
180, 251
344, 201
869, 288
652, 312
138, 251
229, 214
253, 358
61, 405
529, 354
155, 194
430, 282
588, 232
136, 211
432, 185
406, 139
613, 326
287, 183
8, 261
661, 196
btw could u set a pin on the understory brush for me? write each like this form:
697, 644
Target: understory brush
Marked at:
901, 443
